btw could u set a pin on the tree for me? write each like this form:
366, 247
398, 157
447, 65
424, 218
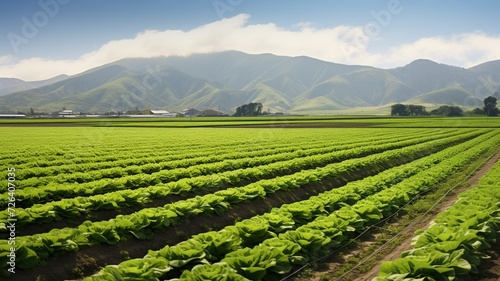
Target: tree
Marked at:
416, 110
448, 111
408, 110
490, 108
478, 111
399, 110
251, 109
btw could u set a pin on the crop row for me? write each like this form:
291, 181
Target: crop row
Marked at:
52, 192
57, 152
204, 164
117, 163
69, 208
268, 246
141, 224
454, 245
126, 158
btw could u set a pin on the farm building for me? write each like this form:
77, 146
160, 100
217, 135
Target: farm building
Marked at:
189, 112
162, 113
12, 116
210, 112
64, 113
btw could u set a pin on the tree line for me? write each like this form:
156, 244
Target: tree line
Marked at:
419, 110
250, 109
489, 109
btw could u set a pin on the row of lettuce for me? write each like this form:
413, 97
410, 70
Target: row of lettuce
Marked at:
244, 168
74, 153
142, 224
186, 164
63, 146
168, 158
134, 190
456, 241
269, 246
71, 208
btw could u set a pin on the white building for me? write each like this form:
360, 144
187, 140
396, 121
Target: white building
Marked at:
162, 113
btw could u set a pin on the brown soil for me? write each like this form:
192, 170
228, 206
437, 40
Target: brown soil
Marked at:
100, 215
490, 269
62, 267
104, 214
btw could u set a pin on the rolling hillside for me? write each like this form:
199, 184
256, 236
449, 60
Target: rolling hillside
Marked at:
452, 95
228, 79
12, 85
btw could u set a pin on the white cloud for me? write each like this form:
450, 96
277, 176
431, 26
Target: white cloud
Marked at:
7, 60
341, 44
465, 50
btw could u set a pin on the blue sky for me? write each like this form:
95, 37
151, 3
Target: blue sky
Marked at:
70, 36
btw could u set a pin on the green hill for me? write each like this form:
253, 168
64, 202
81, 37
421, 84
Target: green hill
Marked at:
228, 79
452, 95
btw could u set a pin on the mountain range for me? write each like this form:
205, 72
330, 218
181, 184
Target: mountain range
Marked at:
228, 79
12, 85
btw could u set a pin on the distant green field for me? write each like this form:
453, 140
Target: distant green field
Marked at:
274, 121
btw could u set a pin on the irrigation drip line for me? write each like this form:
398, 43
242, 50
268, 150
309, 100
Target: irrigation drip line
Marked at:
419, 219
383, 222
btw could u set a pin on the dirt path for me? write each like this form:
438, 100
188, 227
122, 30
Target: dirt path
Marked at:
447, 202
408, 233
